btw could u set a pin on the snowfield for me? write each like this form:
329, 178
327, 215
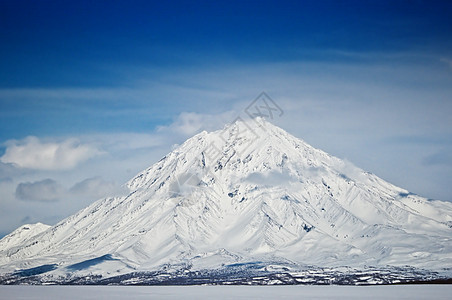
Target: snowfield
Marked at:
248, 204
398, 292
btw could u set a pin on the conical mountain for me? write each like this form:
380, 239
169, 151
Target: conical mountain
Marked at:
247, 195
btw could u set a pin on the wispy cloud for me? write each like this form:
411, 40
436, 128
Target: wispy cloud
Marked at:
189, 123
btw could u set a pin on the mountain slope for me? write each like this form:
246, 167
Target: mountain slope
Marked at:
245, 194
22, 234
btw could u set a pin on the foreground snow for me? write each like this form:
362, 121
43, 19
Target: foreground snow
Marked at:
221, 292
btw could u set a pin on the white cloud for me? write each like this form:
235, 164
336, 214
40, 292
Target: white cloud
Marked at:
32, 153
46, 190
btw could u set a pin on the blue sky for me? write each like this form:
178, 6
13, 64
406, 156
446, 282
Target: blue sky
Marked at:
113, 85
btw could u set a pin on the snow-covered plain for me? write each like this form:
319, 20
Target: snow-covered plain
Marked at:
437, 292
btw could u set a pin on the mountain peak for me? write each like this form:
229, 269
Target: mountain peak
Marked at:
239, 144
249, 192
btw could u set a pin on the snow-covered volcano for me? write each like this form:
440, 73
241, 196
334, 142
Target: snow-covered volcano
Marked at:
247, 197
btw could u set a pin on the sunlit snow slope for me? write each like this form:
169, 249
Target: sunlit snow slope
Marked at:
249, 192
